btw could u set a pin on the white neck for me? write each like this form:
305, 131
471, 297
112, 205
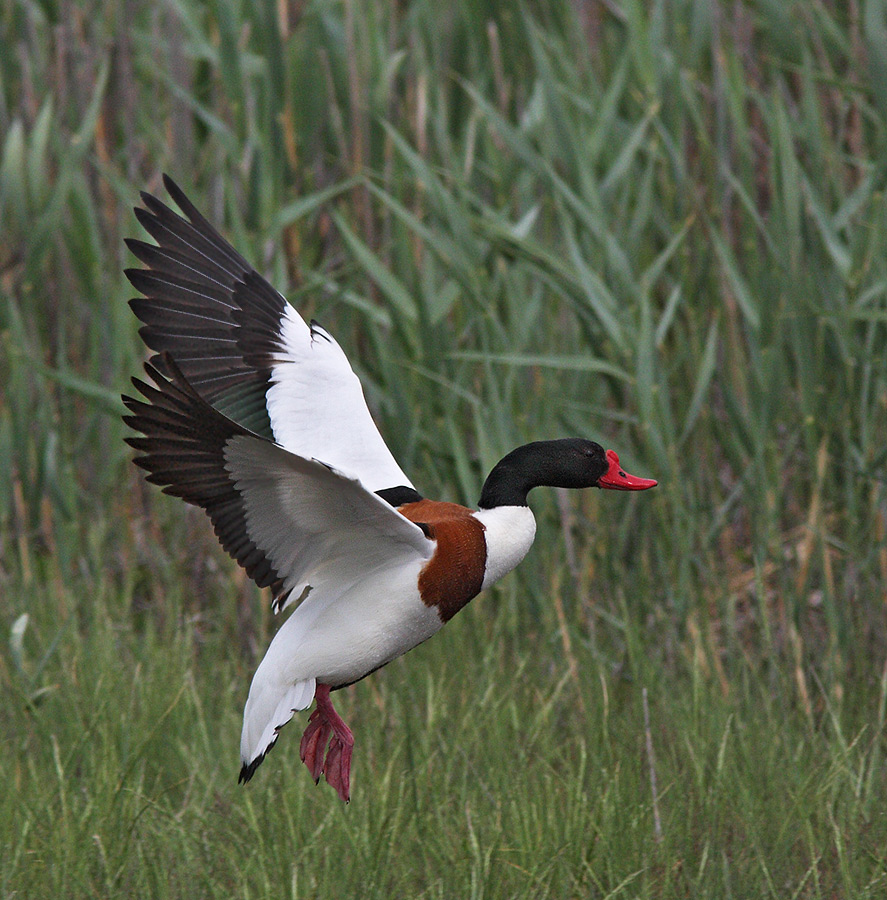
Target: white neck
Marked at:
509, 535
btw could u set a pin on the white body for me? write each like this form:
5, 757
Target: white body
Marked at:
336, 639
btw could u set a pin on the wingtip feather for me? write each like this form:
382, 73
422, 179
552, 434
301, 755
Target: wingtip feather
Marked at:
176, 193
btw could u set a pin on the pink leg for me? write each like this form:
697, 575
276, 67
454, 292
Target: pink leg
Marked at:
325, 724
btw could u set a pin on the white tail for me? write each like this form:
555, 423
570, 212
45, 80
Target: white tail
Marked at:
268, 708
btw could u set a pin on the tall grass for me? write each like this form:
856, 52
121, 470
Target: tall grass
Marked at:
659, 225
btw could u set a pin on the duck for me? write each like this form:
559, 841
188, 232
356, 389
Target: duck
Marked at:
257, 417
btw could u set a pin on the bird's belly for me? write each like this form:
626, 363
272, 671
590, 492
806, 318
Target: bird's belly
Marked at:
340, 642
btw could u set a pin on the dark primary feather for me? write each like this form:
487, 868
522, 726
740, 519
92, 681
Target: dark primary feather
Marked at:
208, 308
183, 451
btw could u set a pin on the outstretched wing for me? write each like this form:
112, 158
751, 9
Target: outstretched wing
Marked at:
246, 351
293, 523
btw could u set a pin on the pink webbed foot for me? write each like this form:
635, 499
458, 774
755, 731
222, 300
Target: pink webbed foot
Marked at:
314, 742
337, 767
326, 725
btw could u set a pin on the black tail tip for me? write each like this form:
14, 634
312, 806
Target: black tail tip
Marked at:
247, 770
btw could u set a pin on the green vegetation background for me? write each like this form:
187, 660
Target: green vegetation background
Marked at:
659, 224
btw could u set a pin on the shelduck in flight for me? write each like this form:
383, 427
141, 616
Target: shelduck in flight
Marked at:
257, 418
